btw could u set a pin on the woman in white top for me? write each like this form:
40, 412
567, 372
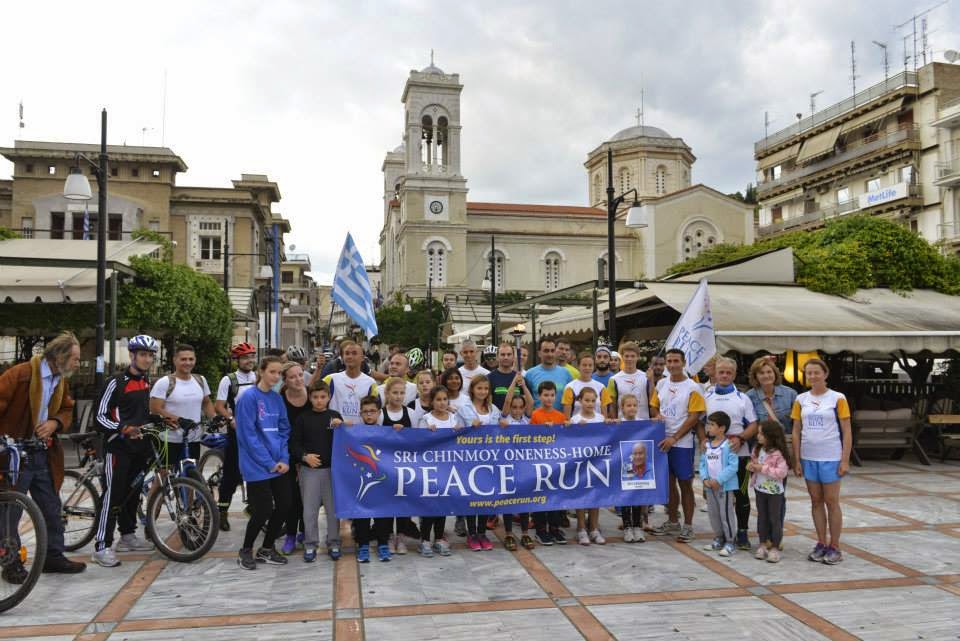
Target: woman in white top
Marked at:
421, 405
479, 410
453, 381
822, 439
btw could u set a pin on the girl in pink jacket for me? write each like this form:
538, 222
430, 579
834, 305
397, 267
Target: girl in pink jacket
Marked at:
769, 465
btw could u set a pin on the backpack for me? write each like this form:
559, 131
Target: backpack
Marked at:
234, 389
172, 383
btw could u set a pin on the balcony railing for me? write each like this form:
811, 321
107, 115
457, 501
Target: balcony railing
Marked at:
862, 147
76, 234
814, 218
896, 81
949, 170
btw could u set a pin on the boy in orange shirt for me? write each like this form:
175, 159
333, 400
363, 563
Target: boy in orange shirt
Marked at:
547, 524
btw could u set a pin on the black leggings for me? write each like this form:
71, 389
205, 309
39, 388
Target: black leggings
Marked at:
543, 520
632, 515
269, 501
436, 524
770, 511
294, 517
405, 525
522, 519
742, 499
477, 524
230, 475
381, 530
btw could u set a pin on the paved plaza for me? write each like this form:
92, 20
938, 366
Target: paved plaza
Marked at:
900, 580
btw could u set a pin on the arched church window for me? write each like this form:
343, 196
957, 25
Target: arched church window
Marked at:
661, 180
552, 271
443, 151
436, 264
697, 237
426, 140
597, 189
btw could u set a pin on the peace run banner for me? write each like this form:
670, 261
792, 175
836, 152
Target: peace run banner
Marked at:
485, 470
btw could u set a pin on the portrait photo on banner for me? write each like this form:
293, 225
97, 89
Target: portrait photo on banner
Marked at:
637, 470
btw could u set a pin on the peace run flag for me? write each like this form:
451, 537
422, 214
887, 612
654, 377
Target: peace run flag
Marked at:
694, 332
351, 288
378, 471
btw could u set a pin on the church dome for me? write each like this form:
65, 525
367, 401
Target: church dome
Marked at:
432, 69
401, 148
639, 132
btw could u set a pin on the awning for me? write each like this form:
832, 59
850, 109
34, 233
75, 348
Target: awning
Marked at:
59, 271
779, 157
873, 116
818, 145
240, 299
793, 194
750, 318
478, 331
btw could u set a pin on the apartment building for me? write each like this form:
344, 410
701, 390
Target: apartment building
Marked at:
300, 300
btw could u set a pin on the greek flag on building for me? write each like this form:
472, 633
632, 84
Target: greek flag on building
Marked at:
351, 288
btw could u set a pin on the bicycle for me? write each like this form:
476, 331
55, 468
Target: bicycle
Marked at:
80, 496
21, 523
211, 461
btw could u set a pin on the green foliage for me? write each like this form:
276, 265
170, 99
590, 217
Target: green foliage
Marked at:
166, 245
6, 233
850, 253
512, 296
183, 306
409, 329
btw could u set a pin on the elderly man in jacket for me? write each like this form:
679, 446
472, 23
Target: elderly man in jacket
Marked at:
35, 400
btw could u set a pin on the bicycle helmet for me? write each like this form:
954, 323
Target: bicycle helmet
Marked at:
143, 343
243, 349
415, 358
490, 350
296, 353
214, 440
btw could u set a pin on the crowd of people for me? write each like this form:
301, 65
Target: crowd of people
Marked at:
282, 413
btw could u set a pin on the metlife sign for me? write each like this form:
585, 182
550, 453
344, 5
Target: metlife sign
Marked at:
885, 195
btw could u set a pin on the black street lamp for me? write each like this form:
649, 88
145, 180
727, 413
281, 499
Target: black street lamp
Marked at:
77, 187
636, 214
492, 281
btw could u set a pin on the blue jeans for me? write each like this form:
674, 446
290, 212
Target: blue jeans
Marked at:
35, 478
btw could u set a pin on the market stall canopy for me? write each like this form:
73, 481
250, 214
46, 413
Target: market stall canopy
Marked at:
60, 271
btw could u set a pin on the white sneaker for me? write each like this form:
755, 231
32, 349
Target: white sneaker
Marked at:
105, 558
400, 544
597, 538
133, 543
628, 535
638, 535
583, 538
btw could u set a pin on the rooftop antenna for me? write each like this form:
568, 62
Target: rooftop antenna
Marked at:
886, 61
813, 101
913, 22
853, 69
21, 115
766, 125
143, 135
906, 56
923, 38
431, 57
641, 100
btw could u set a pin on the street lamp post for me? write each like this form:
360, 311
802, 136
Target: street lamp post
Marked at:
636, 214
491, 280
77, 187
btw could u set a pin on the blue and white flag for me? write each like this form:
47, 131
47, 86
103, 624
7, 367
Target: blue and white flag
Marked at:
86, 223
694, 332
351, 288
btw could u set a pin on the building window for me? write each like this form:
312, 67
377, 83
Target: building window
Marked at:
809, 206
155, 173
209, 247
115, 227
436, 264
210, 226
661, 180
775, 172
776, 214
286, 277
26, 227
552, 272
873, 184
154, 225
499, 270
28, 168
907, 175
51, 170
914, 226
114, 171
56, 225
135, 172
700, 236
843, 195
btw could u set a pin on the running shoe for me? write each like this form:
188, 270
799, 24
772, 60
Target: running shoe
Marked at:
527, 542
425, 549
665, 528
105, 558
383, 552
289, 545
597, 538
628, 535
728, 550
363, 554
309, 554
334, 552
743, 541
582, 537
832, 556
244, 560
510, 543
543, 537
300, 538
761, 552
484, 542
714, 546
442, 546
773, 556
638, 535
270, 556
817, 554
686, 534
133, 543
473, 542
401, 544
558, 536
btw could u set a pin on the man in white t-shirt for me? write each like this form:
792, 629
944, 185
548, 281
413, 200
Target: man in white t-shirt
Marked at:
398, 367
630, 381
182, 394
231, 387
349, 387
470, 367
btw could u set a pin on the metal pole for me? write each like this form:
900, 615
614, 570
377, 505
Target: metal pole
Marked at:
595, 320
226, 259
429, 322
101, 250
534, 346
611, 253
493, 292
276, 285
113, 322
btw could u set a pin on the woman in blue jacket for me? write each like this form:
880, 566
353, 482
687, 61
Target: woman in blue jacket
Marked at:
262, 434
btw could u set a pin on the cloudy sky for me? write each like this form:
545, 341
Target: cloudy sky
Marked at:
309, 92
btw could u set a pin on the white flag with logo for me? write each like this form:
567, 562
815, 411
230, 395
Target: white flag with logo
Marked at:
694, 332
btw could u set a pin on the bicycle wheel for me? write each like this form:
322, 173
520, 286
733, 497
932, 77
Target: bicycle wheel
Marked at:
23, 547
211, 469
182, 519
80, 508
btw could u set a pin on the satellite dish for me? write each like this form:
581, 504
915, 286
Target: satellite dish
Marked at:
293, 247
951, 55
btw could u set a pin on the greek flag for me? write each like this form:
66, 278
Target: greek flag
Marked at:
86, 223
351, 288
694, 332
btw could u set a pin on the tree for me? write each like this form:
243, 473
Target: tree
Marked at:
183, 306
851, 253
7, 233
414, 328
